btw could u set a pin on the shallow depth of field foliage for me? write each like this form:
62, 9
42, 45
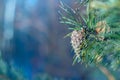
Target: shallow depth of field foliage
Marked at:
95, 31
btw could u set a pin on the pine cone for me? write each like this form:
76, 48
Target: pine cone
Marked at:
77, 38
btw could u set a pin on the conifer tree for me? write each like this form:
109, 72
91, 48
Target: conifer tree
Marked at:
95, 32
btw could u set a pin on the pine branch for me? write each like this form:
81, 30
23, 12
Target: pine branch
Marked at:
101, 27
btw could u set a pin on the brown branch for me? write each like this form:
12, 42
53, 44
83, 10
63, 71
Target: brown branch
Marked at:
107, 73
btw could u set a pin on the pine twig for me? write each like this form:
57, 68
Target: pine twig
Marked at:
108, 74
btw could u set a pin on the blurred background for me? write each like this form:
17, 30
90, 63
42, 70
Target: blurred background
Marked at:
32, 43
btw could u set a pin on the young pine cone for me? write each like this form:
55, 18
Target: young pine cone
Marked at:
101, 28
77, 38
